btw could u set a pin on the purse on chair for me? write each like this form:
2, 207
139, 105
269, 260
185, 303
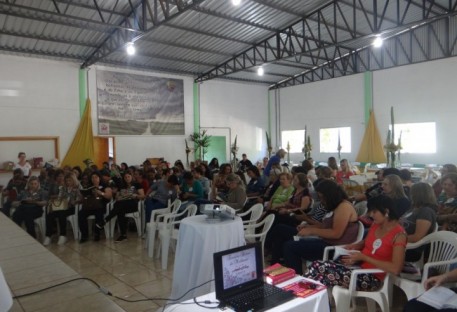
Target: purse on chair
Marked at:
58, 204
92, 203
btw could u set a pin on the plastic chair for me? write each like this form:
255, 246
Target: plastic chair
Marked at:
443, 254
73, 220
343, 296
168, 230
359, 238
109, 227
251, 231
41, 223
138, 217
152, 225
255, 214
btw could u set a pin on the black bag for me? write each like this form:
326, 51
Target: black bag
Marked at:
92, 203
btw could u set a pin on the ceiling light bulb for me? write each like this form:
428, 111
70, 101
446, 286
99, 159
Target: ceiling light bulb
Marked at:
260, 71
236, 2
130, 48
377, 42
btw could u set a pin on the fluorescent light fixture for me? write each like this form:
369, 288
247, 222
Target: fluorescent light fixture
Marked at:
130, 48
236, 2
377, 42
260, 71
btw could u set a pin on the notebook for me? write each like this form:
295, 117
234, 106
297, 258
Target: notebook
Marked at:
239, 284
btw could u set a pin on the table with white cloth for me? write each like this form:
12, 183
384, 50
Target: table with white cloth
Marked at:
197, 241
317, 302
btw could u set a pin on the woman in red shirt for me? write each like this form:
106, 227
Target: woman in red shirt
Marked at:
383, 248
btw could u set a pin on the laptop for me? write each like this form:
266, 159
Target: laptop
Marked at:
238, 274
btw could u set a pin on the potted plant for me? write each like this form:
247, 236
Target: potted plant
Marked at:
202, 142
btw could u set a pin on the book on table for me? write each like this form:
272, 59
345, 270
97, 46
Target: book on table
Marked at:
277, 273
439, 297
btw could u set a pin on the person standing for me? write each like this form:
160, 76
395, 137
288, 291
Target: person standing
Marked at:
274, 162
23, 164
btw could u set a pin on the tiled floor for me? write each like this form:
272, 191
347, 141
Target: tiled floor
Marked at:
127, 272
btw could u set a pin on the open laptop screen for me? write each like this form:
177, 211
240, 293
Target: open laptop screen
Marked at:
238, 269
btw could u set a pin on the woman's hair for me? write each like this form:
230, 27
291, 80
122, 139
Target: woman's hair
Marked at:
72, 176
19, 154
232, 177
422, 195
450, 168
396, 185
384, 204
124, 164
222, 168
78, 168
405, 175
214, 163
348, 165
287, 175
333, 194
302, 179
32, 178
307, 165
451, 176
254, 170
324, 172
331, 162
97, 174
173, 180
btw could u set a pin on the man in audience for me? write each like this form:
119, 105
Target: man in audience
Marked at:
244, 163
274, 162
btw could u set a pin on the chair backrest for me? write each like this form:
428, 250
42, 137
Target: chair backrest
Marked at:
256, 212
443, 246
175, 205
360, 232
192, 210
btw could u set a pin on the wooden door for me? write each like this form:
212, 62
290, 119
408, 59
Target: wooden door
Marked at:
101, 150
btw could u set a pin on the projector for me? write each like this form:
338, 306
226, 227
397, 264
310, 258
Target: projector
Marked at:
218, 211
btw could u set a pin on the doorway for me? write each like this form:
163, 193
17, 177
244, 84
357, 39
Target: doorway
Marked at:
104, 148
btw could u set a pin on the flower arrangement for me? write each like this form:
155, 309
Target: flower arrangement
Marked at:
288, 152
307, 146
391, 148
269, 147
234, 151
339, 147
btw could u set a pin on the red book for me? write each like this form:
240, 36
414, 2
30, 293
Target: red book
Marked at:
276, 274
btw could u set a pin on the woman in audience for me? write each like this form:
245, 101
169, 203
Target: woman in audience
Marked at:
219, 186
338, 227
256, 185
14, 187
393, 187
332, 164
126, 201
23, 164
95, 198
309, 169
447, 168
159, 193
345, 171
31, 202
68, 196
416, 306
77, 172
421, 219
205, 171
447, 203
383, 248
236, 196
213, 165
283, 192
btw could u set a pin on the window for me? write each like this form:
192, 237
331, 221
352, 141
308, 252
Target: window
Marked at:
328, 139
295, 139
419, 138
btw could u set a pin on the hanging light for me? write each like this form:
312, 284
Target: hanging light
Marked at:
377, 42
130, 48
236, 2
260, 71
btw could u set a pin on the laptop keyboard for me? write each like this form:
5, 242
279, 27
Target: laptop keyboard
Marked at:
256, 298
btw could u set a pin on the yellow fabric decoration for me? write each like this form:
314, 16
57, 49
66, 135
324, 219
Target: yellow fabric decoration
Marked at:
82, 146
371, 149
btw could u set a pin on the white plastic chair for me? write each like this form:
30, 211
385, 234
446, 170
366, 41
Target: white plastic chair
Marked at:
73, 220
256, 213
152, 225
343, 296
359, 238
168, 230
138, 217
109, 227
41, 223
443, 254
264, 225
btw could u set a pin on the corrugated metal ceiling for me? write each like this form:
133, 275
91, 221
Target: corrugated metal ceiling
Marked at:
212, 38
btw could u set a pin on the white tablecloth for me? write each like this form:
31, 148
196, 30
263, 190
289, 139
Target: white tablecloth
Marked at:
198, 240
317, 302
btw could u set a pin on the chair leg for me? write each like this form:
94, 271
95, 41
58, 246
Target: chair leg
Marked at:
342, 299
151, 236
165, 239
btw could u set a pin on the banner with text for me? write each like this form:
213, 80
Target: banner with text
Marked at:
130, 104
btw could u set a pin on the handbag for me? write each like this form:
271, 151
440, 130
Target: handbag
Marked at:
58, 204
92, 203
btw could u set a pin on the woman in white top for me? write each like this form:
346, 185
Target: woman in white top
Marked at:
23, 164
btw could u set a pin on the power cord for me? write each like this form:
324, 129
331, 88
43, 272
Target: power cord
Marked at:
108, 293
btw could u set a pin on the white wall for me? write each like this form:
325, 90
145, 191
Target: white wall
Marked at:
241, 107
419, 93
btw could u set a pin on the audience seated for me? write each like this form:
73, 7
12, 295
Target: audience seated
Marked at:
14, 187
383, 248
447, 203
126, 201
30, 205
420, 220
282, 193
338, 227
95, 198
66, 198
332, 164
